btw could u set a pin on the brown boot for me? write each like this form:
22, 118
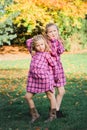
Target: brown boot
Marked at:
52, 115
35, 115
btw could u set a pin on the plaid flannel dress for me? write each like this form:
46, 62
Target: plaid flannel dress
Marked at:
57, 50
43, 71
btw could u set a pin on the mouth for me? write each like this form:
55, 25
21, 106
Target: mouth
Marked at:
42, 50
53, 35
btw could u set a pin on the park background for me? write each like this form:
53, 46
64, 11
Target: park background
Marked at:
20, 20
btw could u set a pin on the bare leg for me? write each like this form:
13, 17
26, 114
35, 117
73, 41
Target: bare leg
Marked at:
52, 99
61, 92
29, 99
52, 112
34, 113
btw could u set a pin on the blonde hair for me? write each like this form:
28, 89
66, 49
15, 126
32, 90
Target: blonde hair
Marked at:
35, 41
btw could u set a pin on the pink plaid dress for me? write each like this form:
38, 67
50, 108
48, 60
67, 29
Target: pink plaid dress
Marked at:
57, 50
43, 71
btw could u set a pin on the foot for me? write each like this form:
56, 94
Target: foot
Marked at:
50, 119
35, 118
59, 114
52, 115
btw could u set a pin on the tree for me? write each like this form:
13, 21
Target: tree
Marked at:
6, 24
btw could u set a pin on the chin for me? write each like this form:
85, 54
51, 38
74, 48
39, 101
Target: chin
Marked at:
54, 38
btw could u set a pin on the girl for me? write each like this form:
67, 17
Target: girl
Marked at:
43, 71
57, 48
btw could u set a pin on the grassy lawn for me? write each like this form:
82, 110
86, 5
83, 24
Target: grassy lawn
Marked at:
14, 111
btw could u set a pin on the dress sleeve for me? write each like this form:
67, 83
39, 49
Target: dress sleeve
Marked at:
52, 62
60, 48
28, 44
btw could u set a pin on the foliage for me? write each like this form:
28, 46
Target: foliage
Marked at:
6, 25
48, 11
30, 15
62, 11
77, 39
33, 15
6, 32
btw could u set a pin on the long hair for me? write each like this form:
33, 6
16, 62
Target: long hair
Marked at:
36, 38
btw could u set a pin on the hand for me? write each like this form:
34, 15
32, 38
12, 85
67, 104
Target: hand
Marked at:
33, 53
56, 79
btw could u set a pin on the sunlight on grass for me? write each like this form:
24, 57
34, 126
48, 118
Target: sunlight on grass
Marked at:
15, 64
75, 63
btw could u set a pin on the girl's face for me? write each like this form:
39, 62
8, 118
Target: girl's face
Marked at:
40, 45
52, 32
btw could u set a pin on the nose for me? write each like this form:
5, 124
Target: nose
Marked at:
40, 47
53, 33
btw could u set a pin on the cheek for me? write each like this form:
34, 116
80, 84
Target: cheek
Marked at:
37, 48
49, 35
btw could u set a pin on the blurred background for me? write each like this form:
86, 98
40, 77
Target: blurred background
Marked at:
21, 19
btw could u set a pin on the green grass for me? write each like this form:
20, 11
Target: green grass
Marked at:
14, 111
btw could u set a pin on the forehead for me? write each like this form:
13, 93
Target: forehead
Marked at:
39, 41
53, 27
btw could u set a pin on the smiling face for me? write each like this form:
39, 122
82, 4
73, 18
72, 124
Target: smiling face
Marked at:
52, 32
40, 45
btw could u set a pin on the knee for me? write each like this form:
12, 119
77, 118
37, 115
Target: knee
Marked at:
50, 95
62, 92
28, 96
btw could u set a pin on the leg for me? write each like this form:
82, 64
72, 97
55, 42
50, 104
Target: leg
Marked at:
59, 98
52, 114
29, 99
52, 99
61, 92
34, 113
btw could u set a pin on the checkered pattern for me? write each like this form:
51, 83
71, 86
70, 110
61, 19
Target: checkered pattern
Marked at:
57, 50
43, 71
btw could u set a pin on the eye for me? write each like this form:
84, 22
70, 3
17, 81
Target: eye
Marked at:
37, 45
49, 31
55, 30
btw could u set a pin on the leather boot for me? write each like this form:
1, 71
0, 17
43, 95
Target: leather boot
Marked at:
35, 115
59, 114
52, 115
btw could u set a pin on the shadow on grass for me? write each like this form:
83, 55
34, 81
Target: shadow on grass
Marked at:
15, 115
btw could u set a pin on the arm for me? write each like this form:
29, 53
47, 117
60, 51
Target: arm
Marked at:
28, 44
60, 47
54, 66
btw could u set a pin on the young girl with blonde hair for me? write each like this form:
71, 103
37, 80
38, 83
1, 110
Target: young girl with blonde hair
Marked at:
43, 73
57, 48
